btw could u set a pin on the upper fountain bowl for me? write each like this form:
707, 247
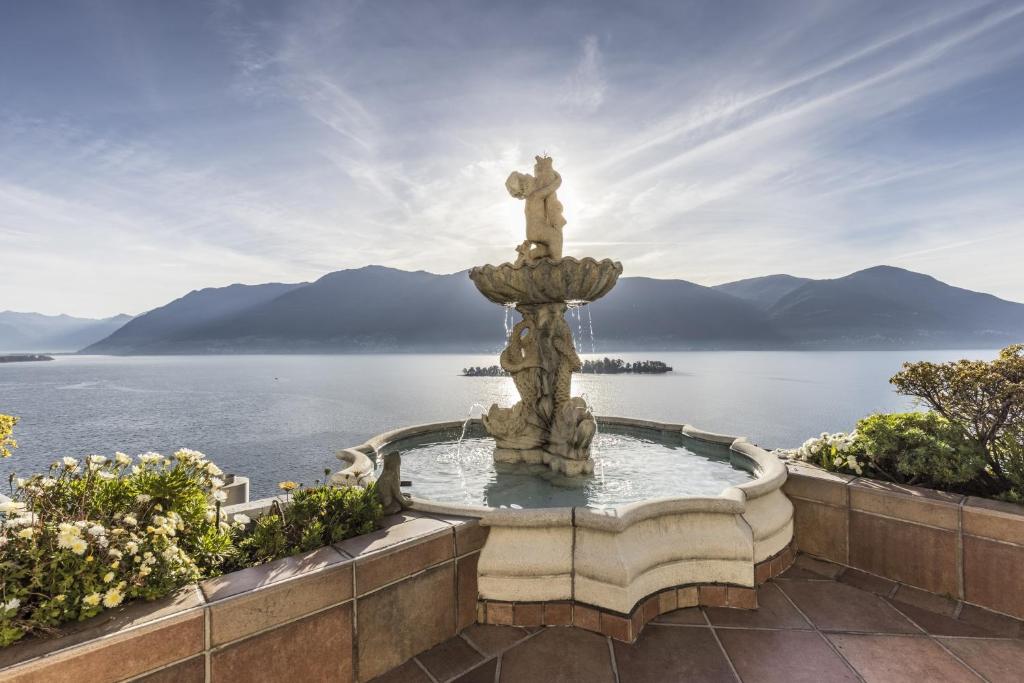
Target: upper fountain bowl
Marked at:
546, 281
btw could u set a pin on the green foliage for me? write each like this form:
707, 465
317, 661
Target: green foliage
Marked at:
7, 442
314, 517
984, 400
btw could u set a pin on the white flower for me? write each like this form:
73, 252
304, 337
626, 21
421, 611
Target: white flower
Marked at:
115, 553
242, 519
220, 496
79, 546
47, 482
9, 506
96, 461
108, 577
26, 532
216, 483
69, 463
122, 458
130, 520
20, 482
92, 599
28, 519
105, 475
132, 547
112, 598
12, 604
213, 470
143, 498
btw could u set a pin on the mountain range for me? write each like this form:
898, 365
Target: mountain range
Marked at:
38, 333
378, 309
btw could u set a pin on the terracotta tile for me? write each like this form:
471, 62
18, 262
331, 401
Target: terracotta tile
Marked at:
317, 648
650, 608
279, 602
190, 671
908, 553
481, 674
667, 602
586, 618
118, 620
940, 624
907, 503
396, 530
664, 653
468, 593
394, 564
837, 607
900, 659
999, 624
714, 596
119, 656
450, 658
558, 614
559, 655
763, 571
939, 604
687, 597
994, 519
815, 484
410, 672
616, 627
402, 620
689, 615
867, 582
492, 640
499, 613
820, 529
528, 614
987, 565
742, 598
774, 610
250, 579
784, 657
998, 661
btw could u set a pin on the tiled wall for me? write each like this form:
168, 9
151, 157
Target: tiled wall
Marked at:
342, 613
965, 548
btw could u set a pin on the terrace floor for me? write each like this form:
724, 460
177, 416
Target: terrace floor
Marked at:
815, 623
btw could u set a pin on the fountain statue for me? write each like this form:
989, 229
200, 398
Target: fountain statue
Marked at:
548, 425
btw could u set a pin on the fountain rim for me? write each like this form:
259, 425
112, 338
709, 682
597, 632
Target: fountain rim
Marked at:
770, 474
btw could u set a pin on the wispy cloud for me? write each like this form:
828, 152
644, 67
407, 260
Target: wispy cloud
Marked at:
586, 84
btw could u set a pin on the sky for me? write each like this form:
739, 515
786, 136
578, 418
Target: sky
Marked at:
149, 148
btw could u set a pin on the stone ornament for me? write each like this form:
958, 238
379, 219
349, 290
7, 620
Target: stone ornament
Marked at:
547, 425
389, 485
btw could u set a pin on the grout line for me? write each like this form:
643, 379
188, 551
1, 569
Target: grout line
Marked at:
829, 643
425, 670
943, 646
149, 672
469, 642
728, 659
611, 657
208, 666
497, 670
961, 588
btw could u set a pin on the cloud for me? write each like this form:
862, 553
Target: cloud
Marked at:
585, 87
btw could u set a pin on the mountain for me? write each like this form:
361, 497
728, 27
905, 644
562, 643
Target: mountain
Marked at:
176, 320
763, 292
35, 332
885, 307
378, 309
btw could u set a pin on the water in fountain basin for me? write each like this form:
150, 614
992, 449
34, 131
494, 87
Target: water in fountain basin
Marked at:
632, 466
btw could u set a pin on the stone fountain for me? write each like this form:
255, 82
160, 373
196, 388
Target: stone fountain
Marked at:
548, 425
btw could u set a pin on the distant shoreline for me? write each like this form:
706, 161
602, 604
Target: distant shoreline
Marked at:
24, 358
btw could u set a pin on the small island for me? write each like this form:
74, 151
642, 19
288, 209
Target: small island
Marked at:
24, 357
603, 366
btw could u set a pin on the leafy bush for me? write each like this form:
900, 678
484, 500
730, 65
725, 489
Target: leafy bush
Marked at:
88, 535
313, 518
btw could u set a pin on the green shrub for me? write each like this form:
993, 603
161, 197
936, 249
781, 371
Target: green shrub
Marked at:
314, 517
88, 535
7, 442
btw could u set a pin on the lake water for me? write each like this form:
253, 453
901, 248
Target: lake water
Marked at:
282, 417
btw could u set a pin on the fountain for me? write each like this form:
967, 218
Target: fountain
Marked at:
677, 516
547, 425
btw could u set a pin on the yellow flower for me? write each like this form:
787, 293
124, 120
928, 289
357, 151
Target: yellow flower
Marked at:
108, 577
92, 599
112, 598
26, 532
287, 485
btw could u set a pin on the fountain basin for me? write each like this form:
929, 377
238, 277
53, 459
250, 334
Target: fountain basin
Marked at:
615, 557
545, 281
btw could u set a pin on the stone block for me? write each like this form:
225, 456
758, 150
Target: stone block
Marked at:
992, 575
820, 530
907, 503
921, 556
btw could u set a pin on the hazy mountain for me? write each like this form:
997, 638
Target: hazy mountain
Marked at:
36, 333
177, 319
884, 307
763, 292
377, 309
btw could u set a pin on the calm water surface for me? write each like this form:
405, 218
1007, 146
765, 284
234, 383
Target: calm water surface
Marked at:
282, 417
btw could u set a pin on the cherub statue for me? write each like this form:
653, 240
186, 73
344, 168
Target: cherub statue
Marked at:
544, 220
389, 485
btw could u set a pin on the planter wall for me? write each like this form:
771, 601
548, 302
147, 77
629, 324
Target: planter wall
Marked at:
343, 613
967, 549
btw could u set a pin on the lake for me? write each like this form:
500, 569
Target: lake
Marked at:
282, 417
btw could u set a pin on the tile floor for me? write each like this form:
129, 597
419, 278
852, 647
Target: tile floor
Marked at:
812, 625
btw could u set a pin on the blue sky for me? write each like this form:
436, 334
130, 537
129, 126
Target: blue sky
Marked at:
148, 148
